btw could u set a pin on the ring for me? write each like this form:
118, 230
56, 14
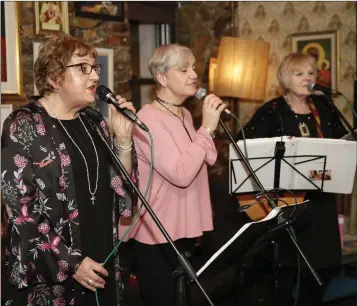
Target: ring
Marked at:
89, 281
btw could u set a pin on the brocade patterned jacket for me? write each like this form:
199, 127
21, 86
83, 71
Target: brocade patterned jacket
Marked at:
44, 239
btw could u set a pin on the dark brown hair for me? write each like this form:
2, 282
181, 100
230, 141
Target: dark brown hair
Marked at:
53, 58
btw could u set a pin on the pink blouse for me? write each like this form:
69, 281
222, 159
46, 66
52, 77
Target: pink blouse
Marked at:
179, 192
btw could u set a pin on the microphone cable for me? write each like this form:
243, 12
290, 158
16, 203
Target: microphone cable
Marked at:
137, 214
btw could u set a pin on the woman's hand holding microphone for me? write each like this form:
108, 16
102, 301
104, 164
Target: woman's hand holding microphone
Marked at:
211, 112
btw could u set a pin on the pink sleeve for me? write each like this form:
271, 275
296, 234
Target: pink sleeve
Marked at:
180, 168
211, 155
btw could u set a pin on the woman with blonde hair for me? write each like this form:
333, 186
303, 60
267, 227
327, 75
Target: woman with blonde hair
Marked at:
302, 113
179, 194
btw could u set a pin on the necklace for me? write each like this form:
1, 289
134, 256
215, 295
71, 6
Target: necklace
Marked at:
183, 116
168, 103
303, 127
92, 193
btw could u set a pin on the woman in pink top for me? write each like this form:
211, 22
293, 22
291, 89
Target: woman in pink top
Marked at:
179, 193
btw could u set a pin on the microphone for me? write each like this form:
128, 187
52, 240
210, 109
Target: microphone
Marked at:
314, 86
106, 95
201, 93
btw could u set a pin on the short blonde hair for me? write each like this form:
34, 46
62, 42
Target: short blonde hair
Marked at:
166, 57
53, 59
290, 63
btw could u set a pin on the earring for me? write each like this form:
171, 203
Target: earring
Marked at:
55, 90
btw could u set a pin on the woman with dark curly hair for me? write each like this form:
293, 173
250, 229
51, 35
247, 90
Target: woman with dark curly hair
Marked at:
62, 194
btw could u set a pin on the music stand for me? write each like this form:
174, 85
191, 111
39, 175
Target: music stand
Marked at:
299, 169
305, 179
250, 239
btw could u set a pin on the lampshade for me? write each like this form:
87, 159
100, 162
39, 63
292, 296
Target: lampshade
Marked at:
242, 67
212, 70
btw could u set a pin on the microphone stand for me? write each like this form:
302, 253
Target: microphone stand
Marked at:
341, 116
183, 261
288, 228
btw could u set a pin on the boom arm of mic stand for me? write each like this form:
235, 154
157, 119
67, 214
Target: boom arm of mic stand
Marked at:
342, 117
184, 262
289, 229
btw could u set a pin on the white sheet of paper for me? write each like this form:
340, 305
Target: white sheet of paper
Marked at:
338, 174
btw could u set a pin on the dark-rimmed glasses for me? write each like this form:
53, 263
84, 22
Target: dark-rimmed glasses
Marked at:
87, 68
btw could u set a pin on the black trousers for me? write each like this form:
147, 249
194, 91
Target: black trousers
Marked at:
154, 266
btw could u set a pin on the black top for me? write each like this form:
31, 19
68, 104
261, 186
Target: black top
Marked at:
96, 220
317, 227
275, 118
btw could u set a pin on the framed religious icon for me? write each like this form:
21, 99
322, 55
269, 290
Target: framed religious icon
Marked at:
51, 17
323, 46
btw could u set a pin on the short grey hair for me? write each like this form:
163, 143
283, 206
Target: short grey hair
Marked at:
166, 57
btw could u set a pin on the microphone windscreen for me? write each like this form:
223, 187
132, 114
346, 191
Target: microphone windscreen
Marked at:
310, 86
102, 92
200, 93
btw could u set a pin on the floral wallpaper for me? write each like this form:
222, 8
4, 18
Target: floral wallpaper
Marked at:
201, 24
274, 22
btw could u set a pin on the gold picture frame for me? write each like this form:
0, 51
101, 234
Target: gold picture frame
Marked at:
11, 83
51, 17
324, 46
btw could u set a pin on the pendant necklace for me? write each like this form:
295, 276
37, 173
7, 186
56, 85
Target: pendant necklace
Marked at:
92, 193
303, 127
162, 102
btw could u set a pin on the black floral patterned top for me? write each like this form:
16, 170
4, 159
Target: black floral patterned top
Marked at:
44, 241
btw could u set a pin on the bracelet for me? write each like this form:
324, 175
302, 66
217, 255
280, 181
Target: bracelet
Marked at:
127, 150
210, 132
122, 148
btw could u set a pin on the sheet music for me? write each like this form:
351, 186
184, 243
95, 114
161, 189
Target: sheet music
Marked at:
274, 212
308, 164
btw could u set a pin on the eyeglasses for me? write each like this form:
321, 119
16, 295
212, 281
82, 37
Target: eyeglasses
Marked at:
87, 68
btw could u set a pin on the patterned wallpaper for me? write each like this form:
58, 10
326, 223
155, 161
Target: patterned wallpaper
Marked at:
201, 24
275, 21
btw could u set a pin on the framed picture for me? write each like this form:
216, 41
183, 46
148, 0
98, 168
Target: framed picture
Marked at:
51, 17
103, 10
323, 46
11, 72
6, 110
106, 59
36, 47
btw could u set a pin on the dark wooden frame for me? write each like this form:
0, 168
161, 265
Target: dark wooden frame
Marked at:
102, 16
